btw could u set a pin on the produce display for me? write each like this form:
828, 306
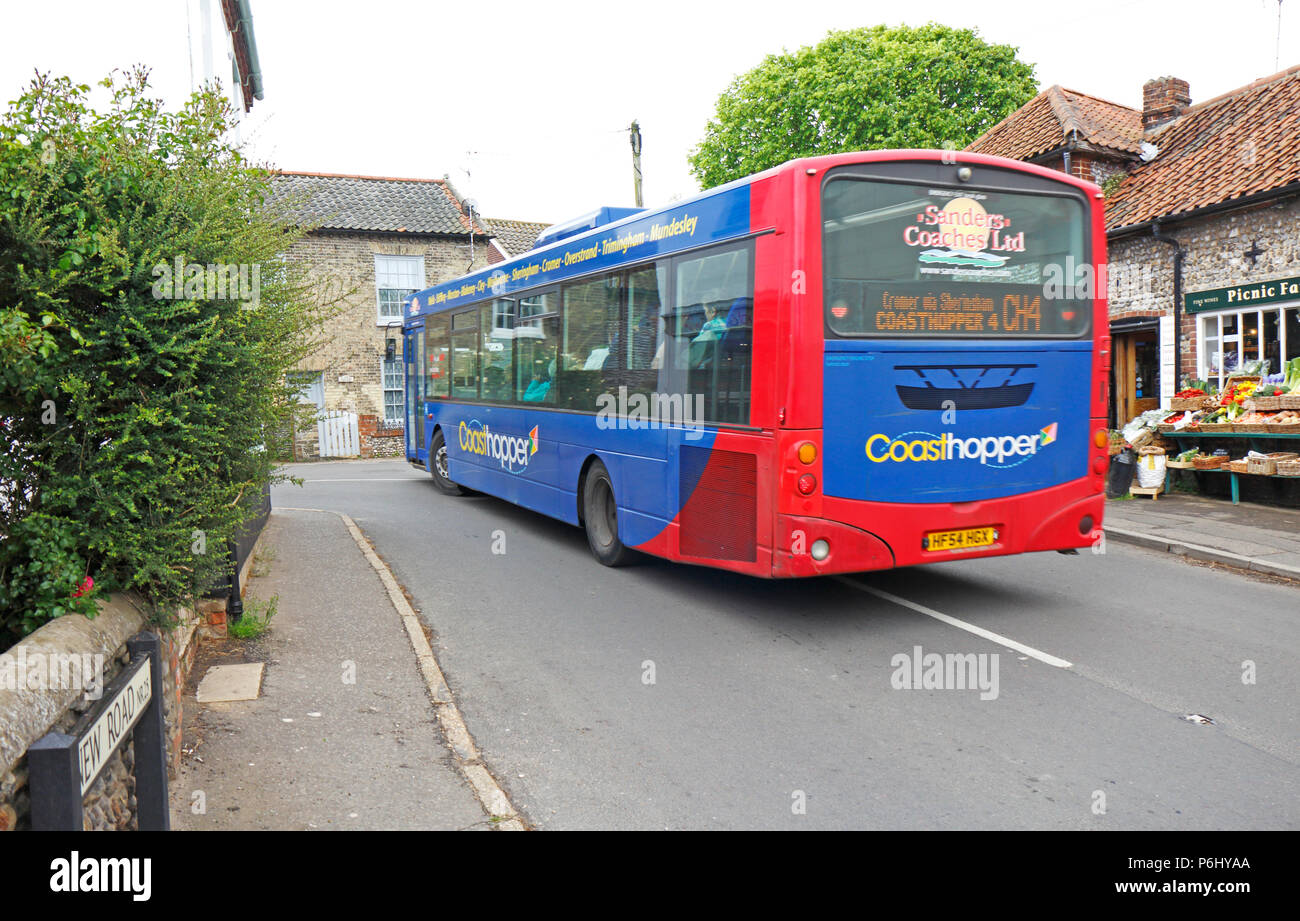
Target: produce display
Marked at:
1252, 402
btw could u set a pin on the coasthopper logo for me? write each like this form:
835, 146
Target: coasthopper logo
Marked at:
512, 452
990, 450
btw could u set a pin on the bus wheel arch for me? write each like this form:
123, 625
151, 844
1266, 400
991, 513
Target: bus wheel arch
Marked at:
587, 464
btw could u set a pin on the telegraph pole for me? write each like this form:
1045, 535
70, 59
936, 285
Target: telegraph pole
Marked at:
635, 131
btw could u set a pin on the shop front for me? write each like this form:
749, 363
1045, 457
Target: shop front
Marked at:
1234, 432
1242, 324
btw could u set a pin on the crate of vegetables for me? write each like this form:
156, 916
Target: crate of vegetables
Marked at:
1251, 423
1287, 422
1268, 397
1189, 399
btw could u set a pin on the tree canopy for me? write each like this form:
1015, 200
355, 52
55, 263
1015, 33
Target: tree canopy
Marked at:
871, 88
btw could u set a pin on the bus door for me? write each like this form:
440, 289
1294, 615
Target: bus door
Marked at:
413, 353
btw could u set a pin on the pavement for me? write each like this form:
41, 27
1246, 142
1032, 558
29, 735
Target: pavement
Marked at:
344, 734
1252, 537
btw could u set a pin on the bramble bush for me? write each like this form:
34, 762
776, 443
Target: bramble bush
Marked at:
131, 424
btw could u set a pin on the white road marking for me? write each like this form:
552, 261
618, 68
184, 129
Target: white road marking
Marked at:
372, 479
960, 624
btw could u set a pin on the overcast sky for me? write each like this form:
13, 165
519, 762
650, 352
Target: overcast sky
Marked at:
526, 105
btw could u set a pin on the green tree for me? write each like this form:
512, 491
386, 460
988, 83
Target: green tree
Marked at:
133, 412
864, 89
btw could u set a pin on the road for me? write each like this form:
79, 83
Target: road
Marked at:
670, 696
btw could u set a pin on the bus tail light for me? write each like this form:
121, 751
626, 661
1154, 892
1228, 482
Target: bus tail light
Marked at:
807, 452
807, 484
820, 549
1099, 438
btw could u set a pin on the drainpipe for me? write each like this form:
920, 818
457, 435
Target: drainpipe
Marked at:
1179, 255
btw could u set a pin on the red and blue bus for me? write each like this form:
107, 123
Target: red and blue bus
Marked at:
845, 363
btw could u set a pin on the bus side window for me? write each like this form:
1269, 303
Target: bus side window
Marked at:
438, 352
714, 297
537, 344
464, 355
497, 321
536, 348
591, 311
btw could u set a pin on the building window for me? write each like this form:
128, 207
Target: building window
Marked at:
394, 404
310, 386
1230, 339
396, 279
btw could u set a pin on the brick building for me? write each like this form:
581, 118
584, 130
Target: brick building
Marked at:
377, 240
1202, 222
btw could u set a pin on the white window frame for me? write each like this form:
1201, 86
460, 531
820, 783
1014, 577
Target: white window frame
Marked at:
307, 385
399, 419
406, 281
1210, 326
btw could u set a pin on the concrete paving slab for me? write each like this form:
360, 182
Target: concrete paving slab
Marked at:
224, 683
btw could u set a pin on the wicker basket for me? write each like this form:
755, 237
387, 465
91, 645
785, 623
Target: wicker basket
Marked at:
1267, 404
1209, 463
1283, 428
1267, 466
1210, 427
1250, 428
1289, 401
1185, 403
1238, 466
1288, 468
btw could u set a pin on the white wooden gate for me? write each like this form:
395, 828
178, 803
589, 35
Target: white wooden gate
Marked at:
337, 434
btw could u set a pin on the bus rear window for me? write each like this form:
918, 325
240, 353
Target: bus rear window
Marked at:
906, 260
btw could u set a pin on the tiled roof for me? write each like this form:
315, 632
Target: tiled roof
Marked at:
1242, 143
1057, 115
373, 203
515, 237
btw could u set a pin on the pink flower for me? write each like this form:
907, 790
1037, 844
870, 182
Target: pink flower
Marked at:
86, 585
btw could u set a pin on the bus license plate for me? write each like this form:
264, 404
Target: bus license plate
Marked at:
960, 540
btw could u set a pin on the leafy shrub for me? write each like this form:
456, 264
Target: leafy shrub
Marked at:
133, 420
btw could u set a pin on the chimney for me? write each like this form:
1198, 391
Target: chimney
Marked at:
1163, 98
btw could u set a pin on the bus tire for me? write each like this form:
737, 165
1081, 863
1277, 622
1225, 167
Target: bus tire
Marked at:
438, 466
600, 517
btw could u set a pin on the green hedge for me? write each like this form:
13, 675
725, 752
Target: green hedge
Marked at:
133, 411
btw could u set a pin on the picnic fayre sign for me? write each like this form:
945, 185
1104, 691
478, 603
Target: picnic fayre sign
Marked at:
1237, 296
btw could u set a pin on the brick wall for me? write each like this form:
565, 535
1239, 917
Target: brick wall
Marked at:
351, 356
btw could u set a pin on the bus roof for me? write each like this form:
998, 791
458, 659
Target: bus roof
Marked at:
585, 244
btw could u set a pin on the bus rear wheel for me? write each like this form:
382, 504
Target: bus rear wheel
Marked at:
438, 466
600, 517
